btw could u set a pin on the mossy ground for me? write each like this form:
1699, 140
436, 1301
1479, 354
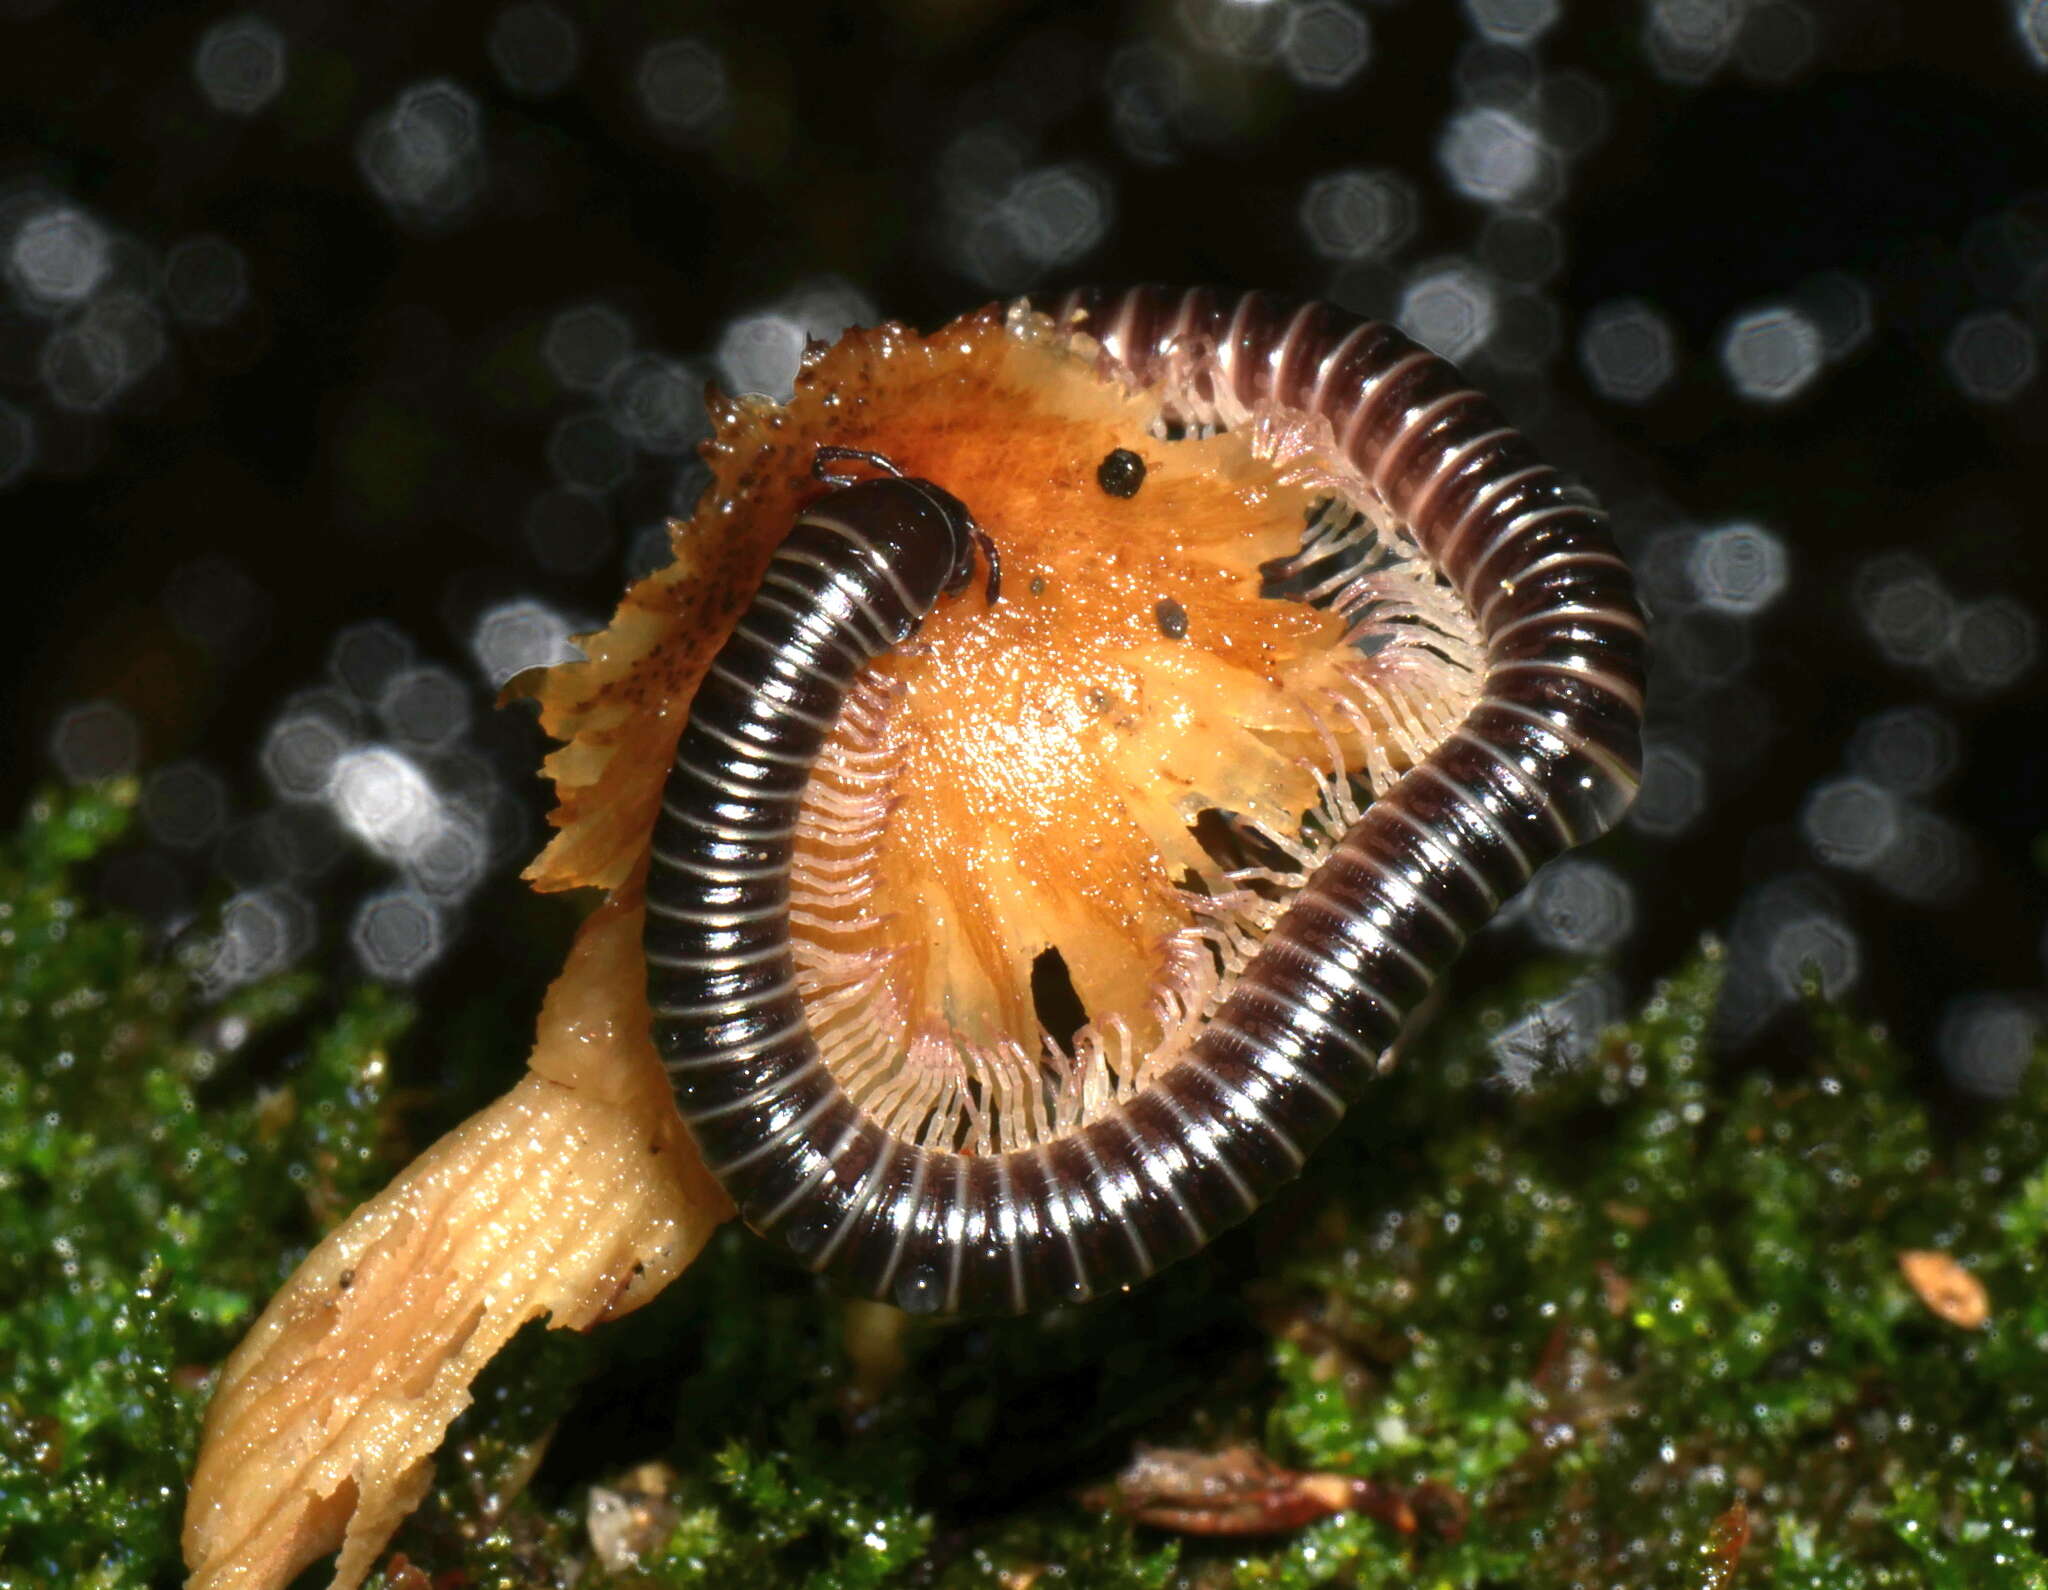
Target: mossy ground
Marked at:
1644, 1318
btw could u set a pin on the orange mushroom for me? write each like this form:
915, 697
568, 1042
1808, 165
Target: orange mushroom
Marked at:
1023, 777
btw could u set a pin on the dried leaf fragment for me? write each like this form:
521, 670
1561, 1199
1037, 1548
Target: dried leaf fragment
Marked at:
1949, 1291
1726, 1541
1241, 1491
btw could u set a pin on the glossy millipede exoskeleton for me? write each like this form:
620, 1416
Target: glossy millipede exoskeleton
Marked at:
1547, 759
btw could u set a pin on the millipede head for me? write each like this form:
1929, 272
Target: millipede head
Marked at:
968, 537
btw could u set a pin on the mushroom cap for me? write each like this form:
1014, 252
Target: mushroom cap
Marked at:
1025, 775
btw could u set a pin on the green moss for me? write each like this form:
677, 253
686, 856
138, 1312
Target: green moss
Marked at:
151, 1196
1645, 1318
1626, 1303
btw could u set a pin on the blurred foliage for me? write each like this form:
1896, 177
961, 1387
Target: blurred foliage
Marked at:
1645, 1321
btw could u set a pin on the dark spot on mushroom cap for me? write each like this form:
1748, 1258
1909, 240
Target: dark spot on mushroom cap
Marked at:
1172, 617
1121, 473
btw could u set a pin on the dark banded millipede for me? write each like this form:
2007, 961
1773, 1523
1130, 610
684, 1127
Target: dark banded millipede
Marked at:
1547, 759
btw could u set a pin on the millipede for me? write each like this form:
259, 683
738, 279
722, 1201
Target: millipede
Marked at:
1547, 758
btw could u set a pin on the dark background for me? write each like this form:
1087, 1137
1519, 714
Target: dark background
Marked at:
350, 358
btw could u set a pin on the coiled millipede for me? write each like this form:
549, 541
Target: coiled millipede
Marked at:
1547, 759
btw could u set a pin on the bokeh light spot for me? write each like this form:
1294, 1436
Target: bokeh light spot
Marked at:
1909, 750
1906, 609
1059, 213
1350, 215
1929, 861
382, 798
424, 706
1147, 91
1009, 222
1776, 42
240, 65
1324, 43
262, 931
759, 353
362, 657
1850, 822
95, 740
1580, 907
520, 634
1527, 332
1688, 40
657, 404
1449, 309
1244, 31
585, 344
1738, 568
1815, 949
184, 805
397, 935
1629, 351
1840, 308
1574, 110
1991, 356
1500, 75
1771, 354
448, 862
535, 48
1992, 643
1673, 793
423, 157
1986, 1042
682, 87
828, 306
308, 738
1518, 22
89, 362
1495, 157
60, 255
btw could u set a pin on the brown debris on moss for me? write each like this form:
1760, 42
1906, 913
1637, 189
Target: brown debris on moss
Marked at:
1949, 1290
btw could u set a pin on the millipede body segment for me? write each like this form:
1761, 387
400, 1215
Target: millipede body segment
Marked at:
1546, 759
